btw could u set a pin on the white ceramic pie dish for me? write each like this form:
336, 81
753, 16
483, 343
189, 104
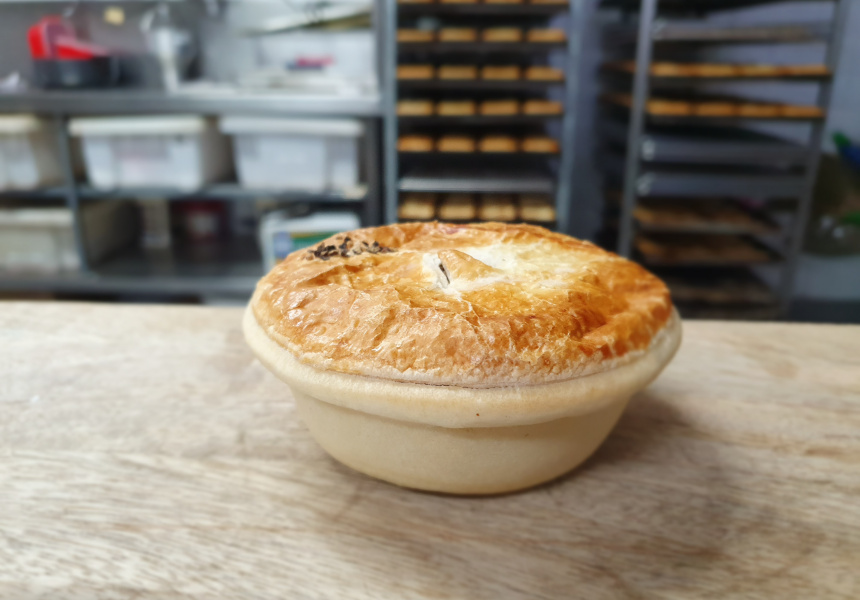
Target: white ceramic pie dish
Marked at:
461, 440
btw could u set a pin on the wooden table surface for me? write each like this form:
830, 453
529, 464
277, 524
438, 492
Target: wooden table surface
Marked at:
144, 453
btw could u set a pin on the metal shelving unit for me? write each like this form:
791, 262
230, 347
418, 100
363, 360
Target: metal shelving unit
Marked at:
233, 267
467, 174
699, 157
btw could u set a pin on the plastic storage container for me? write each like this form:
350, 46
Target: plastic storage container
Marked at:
281, 234
28, 153
311, 155
179, 151
42, 240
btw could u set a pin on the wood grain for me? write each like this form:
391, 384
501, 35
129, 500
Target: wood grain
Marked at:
145, 454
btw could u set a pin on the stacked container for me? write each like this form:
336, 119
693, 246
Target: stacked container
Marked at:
28, 153
309, 155
176, 151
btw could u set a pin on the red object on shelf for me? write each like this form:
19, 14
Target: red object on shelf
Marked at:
70, 48
42, 36
52, 37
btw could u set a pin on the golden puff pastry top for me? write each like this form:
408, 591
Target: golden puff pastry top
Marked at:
479, 305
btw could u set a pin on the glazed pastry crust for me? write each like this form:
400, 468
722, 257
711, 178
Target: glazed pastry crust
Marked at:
479, 305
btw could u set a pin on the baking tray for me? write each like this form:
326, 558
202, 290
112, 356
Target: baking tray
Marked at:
513, 85
699, 31
471, 47
627, 69
753, 222
703, 31
475, 181
478, 119
708, 145
732, 286
689, 6
700, 180
768, 254
623, 103
677, 183
494, 10
518, 153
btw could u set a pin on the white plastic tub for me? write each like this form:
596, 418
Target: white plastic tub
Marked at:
177, 151
42, 240
28, 153
313, 155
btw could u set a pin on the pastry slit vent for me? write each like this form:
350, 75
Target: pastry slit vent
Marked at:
437, 267
444, 271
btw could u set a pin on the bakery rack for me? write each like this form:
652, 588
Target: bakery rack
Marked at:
667, 140
477, 172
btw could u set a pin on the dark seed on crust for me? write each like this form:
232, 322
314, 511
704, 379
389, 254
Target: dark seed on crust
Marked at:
346, 249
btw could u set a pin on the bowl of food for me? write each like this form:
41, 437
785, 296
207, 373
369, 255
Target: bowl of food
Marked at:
466, 359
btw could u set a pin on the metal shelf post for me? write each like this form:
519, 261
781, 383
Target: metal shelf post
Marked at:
388, 87
73, 200
804, 208
641, 80
563, 195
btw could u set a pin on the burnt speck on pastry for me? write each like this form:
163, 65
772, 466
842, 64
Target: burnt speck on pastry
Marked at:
346, 249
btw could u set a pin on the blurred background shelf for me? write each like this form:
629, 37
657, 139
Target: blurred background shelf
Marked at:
495, 10
479, 120
48, 193
703, 216
211, 100
689, 119
479, 47
228, 191
478, 85
698, 7
712, 181
687, 252
709, 145
224, 268
687, 81
14, 2
476, 183
703, 32
694, 120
